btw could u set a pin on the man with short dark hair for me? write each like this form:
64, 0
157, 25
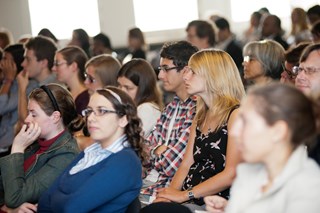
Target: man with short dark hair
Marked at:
201, 34
167, 142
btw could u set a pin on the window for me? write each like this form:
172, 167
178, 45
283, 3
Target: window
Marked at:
153, 15
61, 17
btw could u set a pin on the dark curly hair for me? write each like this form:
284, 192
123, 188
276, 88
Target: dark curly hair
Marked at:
126, 107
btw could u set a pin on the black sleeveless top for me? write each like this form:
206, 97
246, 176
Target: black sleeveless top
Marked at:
209, 154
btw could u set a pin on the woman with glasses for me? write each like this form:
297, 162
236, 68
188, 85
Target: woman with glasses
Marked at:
106, 177
263, 61
101, 71
43, 147
292, 57
138, 79
271, 135
69, 65
208, 166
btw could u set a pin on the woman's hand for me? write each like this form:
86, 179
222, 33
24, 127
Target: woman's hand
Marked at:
23, 208
27, 135
9, 69
172, 194
215, 204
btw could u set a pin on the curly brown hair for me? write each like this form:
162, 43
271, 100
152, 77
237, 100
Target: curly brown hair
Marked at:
126, 107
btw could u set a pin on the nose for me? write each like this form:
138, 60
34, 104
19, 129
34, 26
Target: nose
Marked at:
186, 75
161, 74
54, 68
23, 64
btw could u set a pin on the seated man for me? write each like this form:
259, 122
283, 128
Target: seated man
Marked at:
168, 140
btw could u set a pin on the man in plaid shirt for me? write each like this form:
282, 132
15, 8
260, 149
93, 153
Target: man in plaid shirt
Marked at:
168, 140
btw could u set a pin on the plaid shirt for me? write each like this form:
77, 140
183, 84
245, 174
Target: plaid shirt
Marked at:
168, 162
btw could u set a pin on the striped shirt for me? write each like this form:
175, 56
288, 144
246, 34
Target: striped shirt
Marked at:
95, 154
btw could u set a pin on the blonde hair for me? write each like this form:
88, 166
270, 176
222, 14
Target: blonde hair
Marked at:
222, 82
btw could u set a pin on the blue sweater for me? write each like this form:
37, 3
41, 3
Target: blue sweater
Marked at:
109, 186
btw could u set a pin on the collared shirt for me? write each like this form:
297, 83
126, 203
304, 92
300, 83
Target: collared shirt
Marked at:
95, 154
168, 162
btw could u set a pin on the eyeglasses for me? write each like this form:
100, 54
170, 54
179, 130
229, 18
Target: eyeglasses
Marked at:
290, 73
248, 58
89, 77
307, 70
57, 63
166, 69
98, 112
189, 70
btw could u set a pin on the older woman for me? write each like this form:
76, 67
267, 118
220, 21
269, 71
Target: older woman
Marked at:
42, 149
263, 61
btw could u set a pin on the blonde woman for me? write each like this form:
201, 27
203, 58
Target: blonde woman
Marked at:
208, 166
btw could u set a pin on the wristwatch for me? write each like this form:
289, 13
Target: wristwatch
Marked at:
190, 195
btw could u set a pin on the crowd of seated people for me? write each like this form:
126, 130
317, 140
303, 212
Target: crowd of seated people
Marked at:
84, 129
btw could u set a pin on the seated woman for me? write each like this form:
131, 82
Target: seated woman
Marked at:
69, 65
208, 166
10, 66
262, 61
101, 71
33, 165
271, 136
106, 177
138, 79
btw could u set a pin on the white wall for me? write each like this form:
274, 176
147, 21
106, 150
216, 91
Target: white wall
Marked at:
116, 17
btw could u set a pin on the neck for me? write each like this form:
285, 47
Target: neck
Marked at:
182, 94
44, 74
262, 80
109, 141
276, 162
76, 87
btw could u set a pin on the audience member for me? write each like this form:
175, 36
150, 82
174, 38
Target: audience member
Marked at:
253, 33
263, 61
106, 177
37, 64
168, 140
101, 71
313, 14
315, 31
228, 42
33, 165
201, 34
46, 32
308, 81
5, 38
299, 27
209, 164
69, 65
81, 39
277, 175
136, 46
10, 66
271, 29
138, 79
102, 45
292, 57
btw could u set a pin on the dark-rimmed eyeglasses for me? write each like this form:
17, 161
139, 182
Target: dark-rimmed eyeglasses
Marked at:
307, 70
290, 73
97, 112
166, 69
89, 77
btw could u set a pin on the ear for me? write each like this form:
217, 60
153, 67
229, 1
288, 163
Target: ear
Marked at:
56, 116
123, 121
74, 66
44, 63
280, 131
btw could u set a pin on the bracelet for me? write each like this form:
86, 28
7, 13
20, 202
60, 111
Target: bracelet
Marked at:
190, 195
6, 81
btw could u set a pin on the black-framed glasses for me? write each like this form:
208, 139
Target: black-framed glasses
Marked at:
89, 77
307, 70
166, 69
289, 72
98, 112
